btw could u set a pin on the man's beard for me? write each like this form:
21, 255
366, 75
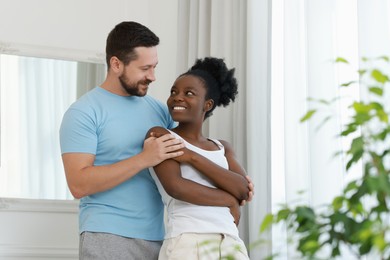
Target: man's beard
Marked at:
133, 88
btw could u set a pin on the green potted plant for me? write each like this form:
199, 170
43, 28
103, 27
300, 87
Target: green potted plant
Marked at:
358, 219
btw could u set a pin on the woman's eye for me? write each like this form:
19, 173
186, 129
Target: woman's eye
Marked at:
189, 93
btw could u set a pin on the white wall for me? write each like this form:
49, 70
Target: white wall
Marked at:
72, 30
77, 30
38, 229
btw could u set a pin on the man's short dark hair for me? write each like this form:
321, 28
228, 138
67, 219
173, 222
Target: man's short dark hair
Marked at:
125, 37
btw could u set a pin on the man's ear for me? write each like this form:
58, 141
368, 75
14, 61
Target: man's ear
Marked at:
208, 105
115, 64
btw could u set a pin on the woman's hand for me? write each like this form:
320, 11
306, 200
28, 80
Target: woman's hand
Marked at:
251, 193
185, 157
236, 213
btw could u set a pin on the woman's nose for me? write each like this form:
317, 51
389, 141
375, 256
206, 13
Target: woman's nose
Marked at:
178, 97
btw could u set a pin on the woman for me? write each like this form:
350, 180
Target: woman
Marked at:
203, 188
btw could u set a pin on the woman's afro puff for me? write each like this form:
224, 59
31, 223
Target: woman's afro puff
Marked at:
225, 89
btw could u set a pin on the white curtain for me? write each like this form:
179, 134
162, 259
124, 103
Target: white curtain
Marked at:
35, 93
307, 35
283, 51
219, 28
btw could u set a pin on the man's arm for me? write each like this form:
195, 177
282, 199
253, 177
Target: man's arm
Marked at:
84, 178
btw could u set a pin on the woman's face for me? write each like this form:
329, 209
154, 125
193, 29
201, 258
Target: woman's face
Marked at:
187, 102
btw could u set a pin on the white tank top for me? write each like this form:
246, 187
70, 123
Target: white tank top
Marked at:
183, 217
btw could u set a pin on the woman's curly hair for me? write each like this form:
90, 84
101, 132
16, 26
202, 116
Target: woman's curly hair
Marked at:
219, 81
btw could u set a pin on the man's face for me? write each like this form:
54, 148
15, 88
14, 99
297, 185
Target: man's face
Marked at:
139, 73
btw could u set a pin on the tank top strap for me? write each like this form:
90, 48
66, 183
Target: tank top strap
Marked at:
218, 143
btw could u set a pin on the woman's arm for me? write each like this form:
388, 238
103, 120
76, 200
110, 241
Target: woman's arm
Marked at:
232, 180
169, 174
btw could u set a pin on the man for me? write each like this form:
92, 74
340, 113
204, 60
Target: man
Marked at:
106, 159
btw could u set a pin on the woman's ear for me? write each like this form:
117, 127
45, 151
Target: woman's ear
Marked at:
208, 105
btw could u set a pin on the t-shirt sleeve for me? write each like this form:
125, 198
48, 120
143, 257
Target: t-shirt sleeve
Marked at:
171, 123
78, 132
168, 118
163, 111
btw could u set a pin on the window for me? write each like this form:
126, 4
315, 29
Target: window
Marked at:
35, 93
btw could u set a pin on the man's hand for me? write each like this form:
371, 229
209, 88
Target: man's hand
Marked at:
158, 149
187, 153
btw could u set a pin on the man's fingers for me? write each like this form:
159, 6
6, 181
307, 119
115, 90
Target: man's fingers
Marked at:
175, 147
171, 146
174, 154
156, 135
175, 143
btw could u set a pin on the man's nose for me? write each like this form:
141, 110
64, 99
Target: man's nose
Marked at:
151, 76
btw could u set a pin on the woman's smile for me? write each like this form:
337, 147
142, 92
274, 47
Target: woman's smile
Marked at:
179, 108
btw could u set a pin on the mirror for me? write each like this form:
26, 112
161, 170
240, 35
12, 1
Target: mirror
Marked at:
35, 93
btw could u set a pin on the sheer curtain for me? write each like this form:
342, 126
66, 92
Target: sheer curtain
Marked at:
306, 37
35, 93
219, 28
283, 51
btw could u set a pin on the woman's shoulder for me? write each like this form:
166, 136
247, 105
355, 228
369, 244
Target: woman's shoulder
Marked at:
228, 147
157, 131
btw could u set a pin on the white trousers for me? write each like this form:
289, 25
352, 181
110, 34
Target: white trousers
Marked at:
192, 246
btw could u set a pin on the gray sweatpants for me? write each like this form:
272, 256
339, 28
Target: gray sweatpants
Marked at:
104, 246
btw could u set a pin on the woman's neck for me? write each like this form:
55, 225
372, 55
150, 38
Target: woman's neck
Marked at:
189, 132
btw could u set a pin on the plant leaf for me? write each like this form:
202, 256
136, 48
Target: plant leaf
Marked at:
267, 222
340, 59
308, 115
357, 145
348, 83
351, 186
379, 242
350, 129
357, 149
385, 58
283, 214
376, 90
362, 72
337, 203
379, 76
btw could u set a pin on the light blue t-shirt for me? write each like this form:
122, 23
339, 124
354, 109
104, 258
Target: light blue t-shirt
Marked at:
113, 128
